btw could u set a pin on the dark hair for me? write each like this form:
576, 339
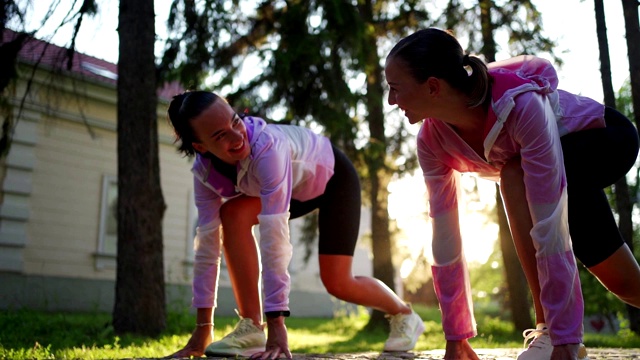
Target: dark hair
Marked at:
182, 109
434, 52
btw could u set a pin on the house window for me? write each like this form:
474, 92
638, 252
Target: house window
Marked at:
108, 230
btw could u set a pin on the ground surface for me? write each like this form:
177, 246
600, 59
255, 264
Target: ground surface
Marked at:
485, 354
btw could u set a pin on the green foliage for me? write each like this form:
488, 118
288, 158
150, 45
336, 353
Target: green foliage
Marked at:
597, 299
520, 20
624, 102
487, 281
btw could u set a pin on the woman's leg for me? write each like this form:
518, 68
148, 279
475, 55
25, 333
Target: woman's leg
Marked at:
620, 274
337, 277
595, 159
339, 224
515, 201
599, 245
238, 216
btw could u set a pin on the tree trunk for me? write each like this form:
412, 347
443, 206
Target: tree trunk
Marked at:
605, 62
140, 298
517, 298
632, 30
375, 156
517, 289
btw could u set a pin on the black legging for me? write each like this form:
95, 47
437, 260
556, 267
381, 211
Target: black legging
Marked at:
339, 209
595, 159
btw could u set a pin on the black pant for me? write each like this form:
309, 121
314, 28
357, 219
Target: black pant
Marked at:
339, 209
595, 159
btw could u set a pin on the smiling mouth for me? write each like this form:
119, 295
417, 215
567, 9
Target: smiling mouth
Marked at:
239, 147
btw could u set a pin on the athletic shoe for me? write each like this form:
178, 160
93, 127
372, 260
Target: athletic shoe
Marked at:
245, 340
582, 353
405, 331
540, 347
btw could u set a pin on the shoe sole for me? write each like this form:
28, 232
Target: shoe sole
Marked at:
416, 336
235, 352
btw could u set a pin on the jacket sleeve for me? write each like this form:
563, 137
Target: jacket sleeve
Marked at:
536, 133
207, 247
450, 275
274, 171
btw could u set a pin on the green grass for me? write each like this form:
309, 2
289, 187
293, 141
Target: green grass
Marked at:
38, 335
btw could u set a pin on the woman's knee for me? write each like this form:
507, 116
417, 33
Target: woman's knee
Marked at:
336, 275
243, 209
336, 286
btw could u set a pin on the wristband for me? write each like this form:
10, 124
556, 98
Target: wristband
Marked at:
275, 314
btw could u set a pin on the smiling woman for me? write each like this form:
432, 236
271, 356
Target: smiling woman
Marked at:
246, 173
508, 121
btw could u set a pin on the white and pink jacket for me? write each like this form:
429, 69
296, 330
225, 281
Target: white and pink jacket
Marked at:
286, 162
527, 117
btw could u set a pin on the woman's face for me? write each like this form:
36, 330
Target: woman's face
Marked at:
221, 131
404, 91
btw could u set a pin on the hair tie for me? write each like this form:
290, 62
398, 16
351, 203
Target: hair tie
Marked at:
465, 60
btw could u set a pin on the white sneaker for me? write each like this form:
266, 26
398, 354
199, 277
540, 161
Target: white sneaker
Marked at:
245, 340
540, 347
582, 353
405, 331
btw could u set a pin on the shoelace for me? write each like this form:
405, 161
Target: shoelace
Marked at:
534, 334
398, 324
244, 327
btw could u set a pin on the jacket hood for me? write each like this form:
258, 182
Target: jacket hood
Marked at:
511, 78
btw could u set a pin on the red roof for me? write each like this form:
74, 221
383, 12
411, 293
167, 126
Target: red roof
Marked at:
35, 51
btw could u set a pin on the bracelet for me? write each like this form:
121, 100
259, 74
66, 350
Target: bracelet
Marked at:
204, 324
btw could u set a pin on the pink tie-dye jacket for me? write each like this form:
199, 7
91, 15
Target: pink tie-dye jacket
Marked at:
527, 117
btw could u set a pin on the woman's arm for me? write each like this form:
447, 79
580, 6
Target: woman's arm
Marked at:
450, 275
272, 169
207, 247
534, 129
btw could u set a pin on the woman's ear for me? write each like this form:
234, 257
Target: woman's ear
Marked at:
198, 147
433, 86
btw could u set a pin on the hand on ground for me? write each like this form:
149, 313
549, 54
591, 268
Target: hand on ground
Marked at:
460, 350
277, 341
200, 338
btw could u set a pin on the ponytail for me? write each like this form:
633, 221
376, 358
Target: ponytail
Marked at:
479, 81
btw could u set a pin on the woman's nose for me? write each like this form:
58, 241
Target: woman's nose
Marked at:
236, 135
391, 99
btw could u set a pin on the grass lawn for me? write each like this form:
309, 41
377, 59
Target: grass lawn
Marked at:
37, 335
